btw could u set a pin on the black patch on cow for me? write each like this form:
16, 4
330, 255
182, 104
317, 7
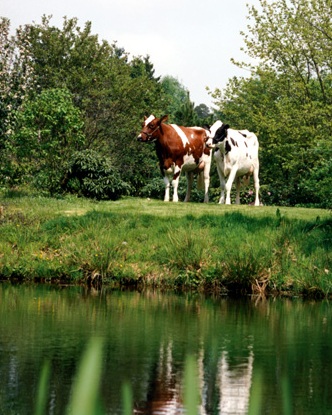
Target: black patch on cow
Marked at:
234, 142
221, 133
246, 144
244, 135
228, 148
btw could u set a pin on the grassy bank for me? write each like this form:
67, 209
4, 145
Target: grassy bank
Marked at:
226, 249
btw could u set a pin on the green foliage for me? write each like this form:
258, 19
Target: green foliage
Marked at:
186, 114
287, 99
180, 108
107, 88
92, 175
176, 95
110, 93
49, 127
154, 189
16, 80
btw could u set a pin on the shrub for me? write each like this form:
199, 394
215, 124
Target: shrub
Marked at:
92, 175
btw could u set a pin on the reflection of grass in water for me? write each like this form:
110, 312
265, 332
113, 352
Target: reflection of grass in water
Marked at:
256, 395
85, 396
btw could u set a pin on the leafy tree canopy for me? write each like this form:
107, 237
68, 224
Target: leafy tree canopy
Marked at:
287, 99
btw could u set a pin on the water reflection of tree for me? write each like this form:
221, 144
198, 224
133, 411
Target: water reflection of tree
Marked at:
224, 385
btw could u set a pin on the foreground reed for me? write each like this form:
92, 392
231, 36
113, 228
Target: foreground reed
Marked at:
220, 249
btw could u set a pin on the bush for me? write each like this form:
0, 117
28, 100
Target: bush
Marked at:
92, 175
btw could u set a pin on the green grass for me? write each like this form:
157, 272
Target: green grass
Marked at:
225, 249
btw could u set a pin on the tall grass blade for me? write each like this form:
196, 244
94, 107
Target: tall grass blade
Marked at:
286, 396
84, 400
191, 395
127, 399
43, 387
255, 403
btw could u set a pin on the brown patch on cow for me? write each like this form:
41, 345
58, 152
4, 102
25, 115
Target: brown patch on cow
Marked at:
172, 146
167, 163
207, 151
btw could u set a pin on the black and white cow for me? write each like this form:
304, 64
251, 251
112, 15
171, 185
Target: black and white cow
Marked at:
236, 156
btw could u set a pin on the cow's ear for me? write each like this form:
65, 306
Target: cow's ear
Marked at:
163, 118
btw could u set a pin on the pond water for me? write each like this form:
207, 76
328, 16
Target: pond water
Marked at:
283, 347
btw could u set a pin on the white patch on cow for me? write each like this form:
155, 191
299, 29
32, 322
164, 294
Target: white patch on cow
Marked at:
182, 135
149, 119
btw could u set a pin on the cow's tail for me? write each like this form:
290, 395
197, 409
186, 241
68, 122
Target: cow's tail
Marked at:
200, 180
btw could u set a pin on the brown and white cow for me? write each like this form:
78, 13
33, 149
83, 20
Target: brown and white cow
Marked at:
179, 149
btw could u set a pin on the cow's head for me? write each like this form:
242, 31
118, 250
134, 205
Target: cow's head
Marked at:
151, 127
211, 132
220, 134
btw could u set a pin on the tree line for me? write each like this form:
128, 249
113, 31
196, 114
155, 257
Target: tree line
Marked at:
71, 107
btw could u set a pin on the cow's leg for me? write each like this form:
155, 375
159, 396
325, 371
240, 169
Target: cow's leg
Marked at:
206, 181
229, 184
175, 183
190, 179
167, 188
256, 184
222, 182
238, 186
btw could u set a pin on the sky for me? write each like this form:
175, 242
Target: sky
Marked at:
191, 40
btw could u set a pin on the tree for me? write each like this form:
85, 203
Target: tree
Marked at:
111, 92
287, 99
49, 129
176, 95
202, 111
16, 80
180, 108
294, 37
